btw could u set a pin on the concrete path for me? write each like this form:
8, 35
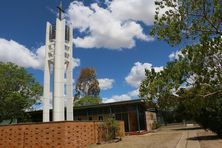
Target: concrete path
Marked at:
175, 136
184, 141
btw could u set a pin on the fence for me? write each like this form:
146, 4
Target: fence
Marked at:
53, 134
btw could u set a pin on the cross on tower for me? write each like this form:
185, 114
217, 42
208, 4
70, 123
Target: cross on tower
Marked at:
60, 10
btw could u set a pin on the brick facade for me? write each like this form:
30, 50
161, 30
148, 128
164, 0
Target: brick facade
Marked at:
53, 134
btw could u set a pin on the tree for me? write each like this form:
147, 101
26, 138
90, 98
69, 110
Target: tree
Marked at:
18, 91
87, 100
177, 20
159, 88
192, 83
87, 87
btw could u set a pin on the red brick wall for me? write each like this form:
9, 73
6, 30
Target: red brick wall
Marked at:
52, 134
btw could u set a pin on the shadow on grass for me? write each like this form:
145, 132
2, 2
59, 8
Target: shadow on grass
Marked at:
210, 137
188, 128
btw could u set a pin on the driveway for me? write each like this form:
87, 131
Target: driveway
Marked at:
173, 136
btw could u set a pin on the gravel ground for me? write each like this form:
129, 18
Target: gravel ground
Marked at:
169, 137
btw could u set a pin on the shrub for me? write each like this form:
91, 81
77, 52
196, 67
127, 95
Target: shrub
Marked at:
111, 126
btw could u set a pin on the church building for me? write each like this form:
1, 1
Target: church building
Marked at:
136, 114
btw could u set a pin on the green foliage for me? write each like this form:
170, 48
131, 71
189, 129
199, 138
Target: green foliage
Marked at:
176, 21
111, 126
88, 100
18, 91
191, 85
87, 84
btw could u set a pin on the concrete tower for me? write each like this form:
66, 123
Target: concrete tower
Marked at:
58, 59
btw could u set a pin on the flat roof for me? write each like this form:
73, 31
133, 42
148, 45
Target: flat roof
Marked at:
135, 101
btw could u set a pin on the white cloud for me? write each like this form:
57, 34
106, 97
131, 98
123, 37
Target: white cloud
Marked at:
12, 51
111, 27
124, 97
137, 73
137, 10
106, 83
76, 62
134, 93
175, 55
117, 98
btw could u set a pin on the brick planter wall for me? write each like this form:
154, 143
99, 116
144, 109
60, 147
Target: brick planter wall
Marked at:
52, 134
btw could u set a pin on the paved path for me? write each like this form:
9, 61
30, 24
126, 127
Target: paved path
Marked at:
176, 136
185, 143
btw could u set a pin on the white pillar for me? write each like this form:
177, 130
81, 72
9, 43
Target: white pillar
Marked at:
69, 95
69, 84
46, 91
58, 92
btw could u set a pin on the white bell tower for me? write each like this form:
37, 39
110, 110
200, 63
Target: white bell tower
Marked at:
58, 59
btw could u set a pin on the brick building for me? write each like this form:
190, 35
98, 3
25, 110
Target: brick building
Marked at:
136, 114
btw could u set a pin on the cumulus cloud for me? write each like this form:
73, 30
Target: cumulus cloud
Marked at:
175, 55
12, 51
124, 97
137, 73
114, 27
137, 10
106, 83
134, 93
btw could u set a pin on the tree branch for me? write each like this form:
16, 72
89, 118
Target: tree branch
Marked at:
210, 94
206, 18
216, 29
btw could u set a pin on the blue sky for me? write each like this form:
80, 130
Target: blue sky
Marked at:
113, 37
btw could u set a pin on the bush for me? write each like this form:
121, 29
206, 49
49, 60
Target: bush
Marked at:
111, 126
